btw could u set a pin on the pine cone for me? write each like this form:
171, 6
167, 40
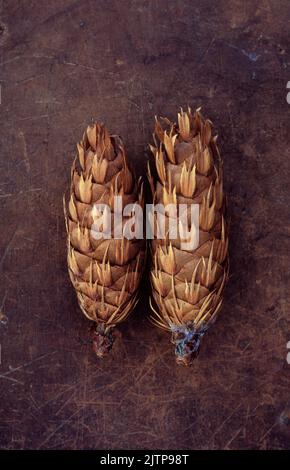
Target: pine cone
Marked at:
187, 284
105, 272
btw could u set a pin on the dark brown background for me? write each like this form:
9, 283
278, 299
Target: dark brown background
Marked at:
64, 62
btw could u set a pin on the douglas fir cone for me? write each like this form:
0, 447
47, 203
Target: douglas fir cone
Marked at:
187, 284
105, 272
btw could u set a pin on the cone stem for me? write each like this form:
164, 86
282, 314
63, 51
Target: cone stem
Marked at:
187, 343
103, 339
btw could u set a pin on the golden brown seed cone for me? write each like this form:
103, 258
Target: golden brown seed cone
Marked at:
104, 272
187, 286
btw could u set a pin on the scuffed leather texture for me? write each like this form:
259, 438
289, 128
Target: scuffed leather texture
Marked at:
63, 63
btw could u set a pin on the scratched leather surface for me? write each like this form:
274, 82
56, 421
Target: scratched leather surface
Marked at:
62, 63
